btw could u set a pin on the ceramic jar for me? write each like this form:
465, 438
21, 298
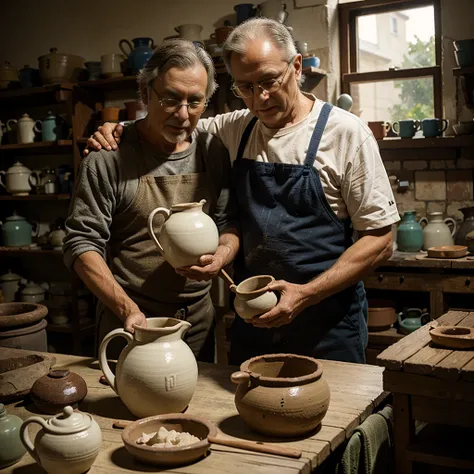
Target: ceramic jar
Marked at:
186, 234
381, 315
190, 32
67, 443
59, 67
283, 395
52, 128
252, 298
156, 372
409, 233
16, 179
26, 128
8, 74
32, 293
58, 389
436, 232
56, 237
10, 283
16, 231
467, 225
138, 54
29, 77
11, 448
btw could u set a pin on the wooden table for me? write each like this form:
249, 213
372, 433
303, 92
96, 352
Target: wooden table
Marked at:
436, 386
356, 390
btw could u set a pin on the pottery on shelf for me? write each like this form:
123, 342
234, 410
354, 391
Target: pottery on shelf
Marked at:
409, 233
381, 315
252, 298
32, 293
10, 283
466, 226
16, 180
186, 234
412, 319
11, 448
156, 372
436, 232
26, 128
283, 395
138, 54
67, 443
58, 389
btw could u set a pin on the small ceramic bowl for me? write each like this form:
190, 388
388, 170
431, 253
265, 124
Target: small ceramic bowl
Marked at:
169, 457
453, 337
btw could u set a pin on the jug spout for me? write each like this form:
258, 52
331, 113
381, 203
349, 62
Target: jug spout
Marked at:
163, 329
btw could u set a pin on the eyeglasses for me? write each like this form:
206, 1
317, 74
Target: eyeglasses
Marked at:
172, 105
245, 91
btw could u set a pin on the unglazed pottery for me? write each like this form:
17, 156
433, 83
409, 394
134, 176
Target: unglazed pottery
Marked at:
282, 395
447, 251
169, 457
157, 371
16, 179
453, 337
67, 443
252, 298
381, 315
21, 314
187, 233
11, 448
58, 389
436, 232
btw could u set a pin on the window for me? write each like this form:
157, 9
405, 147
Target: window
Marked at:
391, 58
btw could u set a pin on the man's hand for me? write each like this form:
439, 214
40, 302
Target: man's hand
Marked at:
137, 318
208, 268
292, 302
107, 137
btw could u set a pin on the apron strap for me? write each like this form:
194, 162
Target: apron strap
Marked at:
245, 138
317, 134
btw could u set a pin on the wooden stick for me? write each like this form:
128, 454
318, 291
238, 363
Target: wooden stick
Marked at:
226, 277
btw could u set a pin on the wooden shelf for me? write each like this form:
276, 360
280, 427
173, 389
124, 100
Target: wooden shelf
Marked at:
59, 146
68, 328
35, 96
439, 142
82, 140
462, 71
37, 197
114, 83
314, 71
26, 250
385, 338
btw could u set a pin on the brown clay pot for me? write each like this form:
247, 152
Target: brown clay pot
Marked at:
13, 315
29, 338
57, 389
381, 315
282, 395
110, 114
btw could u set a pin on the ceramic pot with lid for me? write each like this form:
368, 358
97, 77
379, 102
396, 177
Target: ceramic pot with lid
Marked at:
16, 231
25, 128
10, 283
186, 234
11, 448
67, 443
58, 389
8, 74
32, 293
59, 67
16, 179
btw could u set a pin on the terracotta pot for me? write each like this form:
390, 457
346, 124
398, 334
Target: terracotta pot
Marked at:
135, 109
30, 338
58, 389
186, 234
157, 371
381, 315
13, 315
252, 298
110, 114
281, 395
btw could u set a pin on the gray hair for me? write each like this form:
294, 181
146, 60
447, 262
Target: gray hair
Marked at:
253, 29
181, 54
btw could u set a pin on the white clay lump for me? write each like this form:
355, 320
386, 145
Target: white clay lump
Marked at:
167, 439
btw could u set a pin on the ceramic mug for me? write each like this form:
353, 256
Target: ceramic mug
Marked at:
244, 11
379, 129
191, 32
110, 114
111, 64
406, 128
434, 127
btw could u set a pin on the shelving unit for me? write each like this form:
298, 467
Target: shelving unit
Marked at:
466, 77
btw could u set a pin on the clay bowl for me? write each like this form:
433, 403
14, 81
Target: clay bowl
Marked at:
453, 337
169, 457
447, 251
381, 315
21, 314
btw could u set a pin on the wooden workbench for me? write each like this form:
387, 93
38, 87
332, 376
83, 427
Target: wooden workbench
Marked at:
433, 385
356, 390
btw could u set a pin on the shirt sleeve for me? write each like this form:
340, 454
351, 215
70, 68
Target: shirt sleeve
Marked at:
367, 191
92, 208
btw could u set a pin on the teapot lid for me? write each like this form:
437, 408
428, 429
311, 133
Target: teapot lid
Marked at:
9, 276
18, 167
25, 117
15, 217
31, 288
69, 421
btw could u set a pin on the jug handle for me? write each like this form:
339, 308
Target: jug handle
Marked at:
36, 182
423, 220
36, 129
103, 362
400, 320
450, 220
240, 377
128, 44
425, 317
25, 437
2, 173
166, 214
15, 121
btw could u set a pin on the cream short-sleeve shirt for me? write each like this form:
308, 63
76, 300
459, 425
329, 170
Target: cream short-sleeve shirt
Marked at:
348, 160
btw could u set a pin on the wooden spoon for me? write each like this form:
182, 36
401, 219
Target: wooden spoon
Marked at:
226, 277
239, 443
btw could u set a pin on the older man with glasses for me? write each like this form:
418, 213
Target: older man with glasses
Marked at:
307, 174
162, 161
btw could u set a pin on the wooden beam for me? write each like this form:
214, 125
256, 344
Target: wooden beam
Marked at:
397, 74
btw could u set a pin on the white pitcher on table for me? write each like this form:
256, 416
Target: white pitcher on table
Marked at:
436, 232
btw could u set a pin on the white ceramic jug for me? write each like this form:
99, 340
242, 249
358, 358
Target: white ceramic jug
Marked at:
157, 371
187, 233
26, 128
16, 179
67, 443
436, 231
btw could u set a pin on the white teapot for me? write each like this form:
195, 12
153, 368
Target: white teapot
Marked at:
16, 179
26, 128
187, 233
67, 443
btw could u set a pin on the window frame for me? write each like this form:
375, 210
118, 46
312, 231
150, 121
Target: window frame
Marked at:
348, 14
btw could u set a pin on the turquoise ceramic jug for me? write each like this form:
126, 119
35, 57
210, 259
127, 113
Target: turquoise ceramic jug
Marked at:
412, 319
11, 447
16, 231
409, 233
52, 128
139, 53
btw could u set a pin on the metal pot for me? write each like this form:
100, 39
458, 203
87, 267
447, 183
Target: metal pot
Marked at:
59, 67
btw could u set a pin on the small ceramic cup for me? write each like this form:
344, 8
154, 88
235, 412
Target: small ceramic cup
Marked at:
406, 128
434, 127
379, 129
111, 64
252, 297
110, 114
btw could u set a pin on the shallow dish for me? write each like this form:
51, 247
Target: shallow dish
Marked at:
447, 251
453, 337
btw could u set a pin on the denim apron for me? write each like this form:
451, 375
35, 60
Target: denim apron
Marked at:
290, 232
